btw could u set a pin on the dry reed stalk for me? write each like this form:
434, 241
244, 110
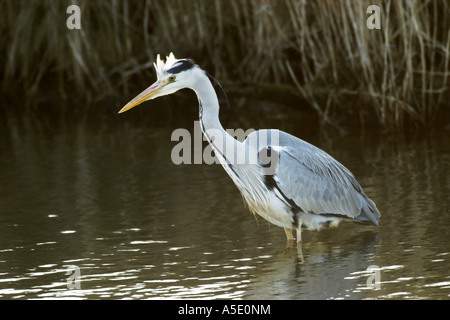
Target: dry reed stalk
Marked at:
399, 73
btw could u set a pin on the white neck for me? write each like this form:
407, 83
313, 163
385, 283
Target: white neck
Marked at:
230, 152
209, 104
220, 140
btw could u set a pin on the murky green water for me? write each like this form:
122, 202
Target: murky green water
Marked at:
99, 195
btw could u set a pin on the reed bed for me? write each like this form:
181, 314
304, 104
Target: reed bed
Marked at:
323, 49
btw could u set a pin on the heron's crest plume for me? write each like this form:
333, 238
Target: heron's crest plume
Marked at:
173, 63
162, 67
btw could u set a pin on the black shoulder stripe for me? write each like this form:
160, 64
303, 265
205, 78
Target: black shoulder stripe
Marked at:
181, 65
271, 184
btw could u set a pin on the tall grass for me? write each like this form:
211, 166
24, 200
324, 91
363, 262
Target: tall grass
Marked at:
321, 48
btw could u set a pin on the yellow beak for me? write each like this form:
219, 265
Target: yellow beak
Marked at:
148, 93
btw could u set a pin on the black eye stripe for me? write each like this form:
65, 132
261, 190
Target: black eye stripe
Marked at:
181, 65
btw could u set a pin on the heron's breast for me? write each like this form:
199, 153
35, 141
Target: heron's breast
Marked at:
273, 210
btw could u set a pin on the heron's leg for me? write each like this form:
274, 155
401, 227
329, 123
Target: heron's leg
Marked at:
300, 252
289, 234
299, 233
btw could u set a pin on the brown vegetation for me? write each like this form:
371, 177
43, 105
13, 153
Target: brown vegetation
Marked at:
321, 48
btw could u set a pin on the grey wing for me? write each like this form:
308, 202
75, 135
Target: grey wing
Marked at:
317, 183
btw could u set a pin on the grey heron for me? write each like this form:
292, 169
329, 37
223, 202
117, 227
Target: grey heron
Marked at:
301, 185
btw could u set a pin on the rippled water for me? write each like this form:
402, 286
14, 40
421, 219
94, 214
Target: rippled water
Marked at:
99, 195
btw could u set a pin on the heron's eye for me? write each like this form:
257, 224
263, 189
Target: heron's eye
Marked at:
172, 79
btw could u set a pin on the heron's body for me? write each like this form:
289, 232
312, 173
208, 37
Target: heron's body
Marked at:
301, 186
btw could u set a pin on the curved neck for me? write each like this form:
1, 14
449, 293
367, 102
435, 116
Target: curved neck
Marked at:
208, 104
223, 143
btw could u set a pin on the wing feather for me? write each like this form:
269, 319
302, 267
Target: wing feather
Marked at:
318, 183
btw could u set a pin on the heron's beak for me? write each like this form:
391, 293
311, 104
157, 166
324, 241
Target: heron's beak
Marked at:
148, 93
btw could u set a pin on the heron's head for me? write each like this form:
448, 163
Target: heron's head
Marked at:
173, 75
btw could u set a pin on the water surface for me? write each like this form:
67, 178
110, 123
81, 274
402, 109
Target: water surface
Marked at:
98, 193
